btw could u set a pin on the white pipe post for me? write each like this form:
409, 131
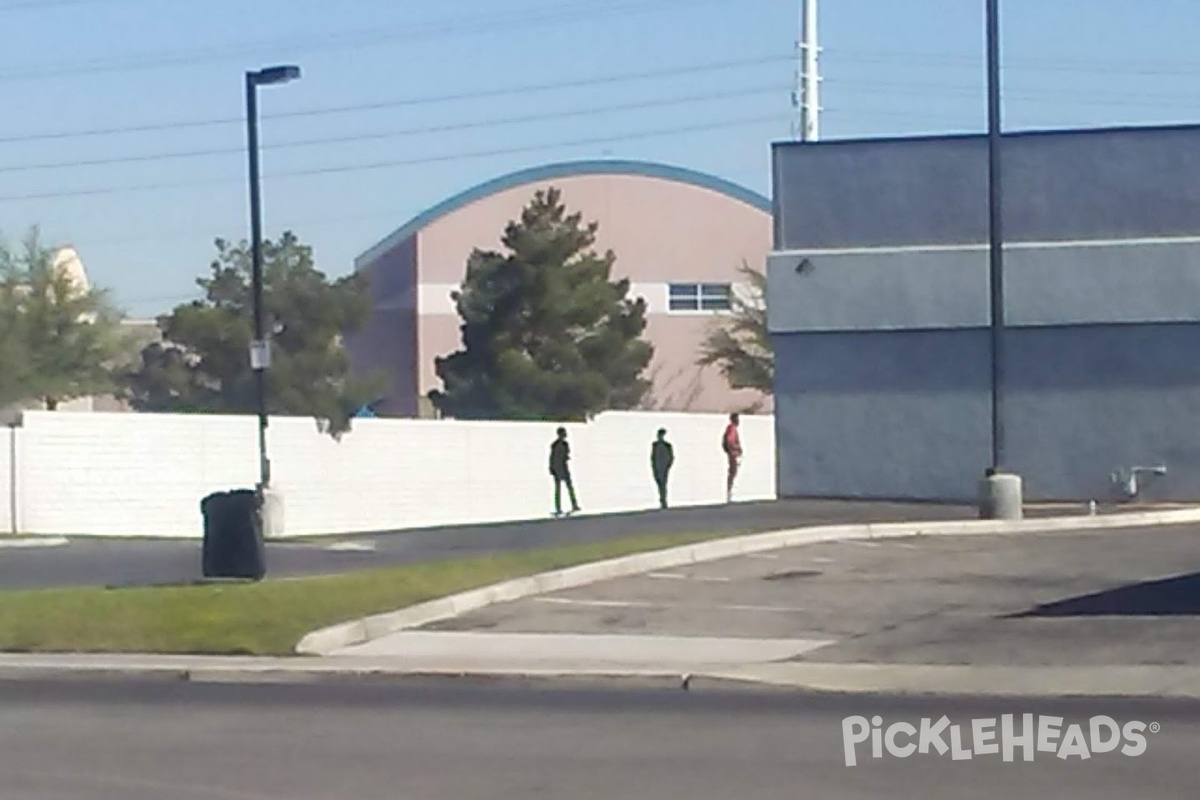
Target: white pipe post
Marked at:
810, 74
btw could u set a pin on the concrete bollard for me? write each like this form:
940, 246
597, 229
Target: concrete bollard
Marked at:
272, 514
1000, 497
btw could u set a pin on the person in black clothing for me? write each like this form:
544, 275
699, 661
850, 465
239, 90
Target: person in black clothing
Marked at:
560, 470
662, 456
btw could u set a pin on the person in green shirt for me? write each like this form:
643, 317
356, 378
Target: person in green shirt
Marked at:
662, 456
560, 470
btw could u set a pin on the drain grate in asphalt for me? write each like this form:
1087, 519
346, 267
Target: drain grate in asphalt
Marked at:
792, 575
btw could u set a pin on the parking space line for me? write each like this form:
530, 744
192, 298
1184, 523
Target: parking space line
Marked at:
567, 601
675, 576
351, 547
768, 609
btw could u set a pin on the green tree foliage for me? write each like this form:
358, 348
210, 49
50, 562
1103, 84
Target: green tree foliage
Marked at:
740, 345
546, 332
203, 364
58, 341
14, 365
166, 379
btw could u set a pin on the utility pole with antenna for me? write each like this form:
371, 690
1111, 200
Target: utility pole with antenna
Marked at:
806, 96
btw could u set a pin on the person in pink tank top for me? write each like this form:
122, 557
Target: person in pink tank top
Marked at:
731, 443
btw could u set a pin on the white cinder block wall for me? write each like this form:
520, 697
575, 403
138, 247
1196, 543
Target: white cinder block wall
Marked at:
7, 523
144, 475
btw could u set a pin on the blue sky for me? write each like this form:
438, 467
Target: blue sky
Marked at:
416, 101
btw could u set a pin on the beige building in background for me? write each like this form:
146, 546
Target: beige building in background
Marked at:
139, 332
679, 236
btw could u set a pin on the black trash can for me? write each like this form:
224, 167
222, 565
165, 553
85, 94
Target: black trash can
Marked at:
233, 539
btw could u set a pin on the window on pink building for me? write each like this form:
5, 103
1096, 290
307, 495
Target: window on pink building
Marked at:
699, 297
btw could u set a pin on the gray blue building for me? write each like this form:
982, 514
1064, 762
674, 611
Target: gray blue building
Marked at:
878, 310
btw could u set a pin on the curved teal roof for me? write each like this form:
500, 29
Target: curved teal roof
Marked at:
565, 169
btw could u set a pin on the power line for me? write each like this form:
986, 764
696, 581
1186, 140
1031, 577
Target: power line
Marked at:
1041, 95
888, 88
349, 168
38, 5
692, 69
353, 39
1107, 66
856, 86
404, 132
579, 10
306, 224
520, 149
850, 86
297, 224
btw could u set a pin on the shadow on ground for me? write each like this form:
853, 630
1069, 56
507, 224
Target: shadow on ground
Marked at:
1169, 597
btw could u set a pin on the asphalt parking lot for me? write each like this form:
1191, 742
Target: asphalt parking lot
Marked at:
117, 562
1075, 598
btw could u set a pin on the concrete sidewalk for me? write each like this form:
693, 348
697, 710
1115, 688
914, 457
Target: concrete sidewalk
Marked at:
554, 660
672, 653
419, 653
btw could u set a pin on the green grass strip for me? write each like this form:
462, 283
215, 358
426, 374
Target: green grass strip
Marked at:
270, 617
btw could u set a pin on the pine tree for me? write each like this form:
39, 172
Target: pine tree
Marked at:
546, 332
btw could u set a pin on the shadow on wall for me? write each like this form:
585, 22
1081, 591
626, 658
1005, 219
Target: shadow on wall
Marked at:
687, 398
681, 400
1169, 597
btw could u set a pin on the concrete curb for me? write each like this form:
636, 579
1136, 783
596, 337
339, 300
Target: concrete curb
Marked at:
33, 542
917, 680
1118, 681
334, 638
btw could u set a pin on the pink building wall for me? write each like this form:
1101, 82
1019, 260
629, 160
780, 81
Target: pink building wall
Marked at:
663, 231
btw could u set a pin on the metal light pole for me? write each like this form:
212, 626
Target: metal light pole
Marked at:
995, 232
260, 351
1000, 496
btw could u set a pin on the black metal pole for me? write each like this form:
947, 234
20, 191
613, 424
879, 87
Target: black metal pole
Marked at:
995, 235
256, 276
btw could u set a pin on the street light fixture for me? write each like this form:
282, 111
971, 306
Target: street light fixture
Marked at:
1001, 492
260, 350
